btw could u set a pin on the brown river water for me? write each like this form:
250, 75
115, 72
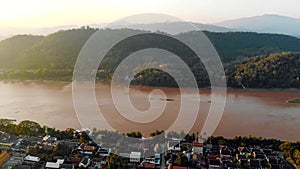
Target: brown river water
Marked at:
247, 112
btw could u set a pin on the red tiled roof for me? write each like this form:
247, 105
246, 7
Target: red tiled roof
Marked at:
75, 160
179, 167
89, 148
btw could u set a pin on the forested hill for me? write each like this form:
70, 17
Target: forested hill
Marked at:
12, 49
279, 70
237, 45
59, 50
53, 57
55, 51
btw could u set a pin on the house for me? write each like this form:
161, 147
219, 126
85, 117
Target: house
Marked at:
104, 152
85, 149
31, 158
13, 161
145, 165
98, 162
197, 148
173, 145
259, 155
243, 150
73, 160
6, 140
54, 165
135, 157
157, 158
4, 156
48, 140
267, 151
208, 147
20, 146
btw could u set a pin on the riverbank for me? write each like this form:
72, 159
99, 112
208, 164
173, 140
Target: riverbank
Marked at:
154, 87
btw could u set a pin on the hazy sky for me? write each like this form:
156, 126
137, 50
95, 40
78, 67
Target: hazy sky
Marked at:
48, 13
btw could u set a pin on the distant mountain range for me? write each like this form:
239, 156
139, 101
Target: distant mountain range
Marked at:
268, 23
172, 27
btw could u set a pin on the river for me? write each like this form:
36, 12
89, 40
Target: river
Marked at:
262, 113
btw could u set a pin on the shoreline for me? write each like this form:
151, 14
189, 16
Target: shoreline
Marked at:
15, 121
155, 87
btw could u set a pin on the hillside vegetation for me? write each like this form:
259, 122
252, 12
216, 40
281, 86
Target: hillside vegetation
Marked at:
279, 70
13, 48
248, 57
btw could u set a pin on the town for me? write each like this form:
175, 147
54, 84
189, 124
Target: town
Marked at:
28, 145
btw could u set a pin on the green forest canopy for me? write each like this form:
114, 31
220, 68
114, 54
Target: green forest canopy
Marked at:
245, 55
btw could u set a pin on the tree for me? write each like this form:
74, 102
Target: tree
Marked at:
7, 126
156, 133
135, 134
296, 156
286, 148
113, 161
181, 160
29, 128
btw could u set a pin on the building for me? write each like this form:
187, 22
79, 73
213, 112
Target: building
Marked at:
31, 158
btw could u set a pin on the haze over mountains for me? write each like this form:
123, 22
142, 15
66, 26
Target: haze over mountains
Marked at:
172, 27
269, 23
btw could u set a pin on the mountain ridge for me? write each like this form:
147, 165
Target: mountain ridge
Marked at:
268, 23
67, 44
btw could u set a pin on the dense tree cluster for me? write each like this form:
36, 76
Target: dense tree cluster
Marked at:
279, 70
291, 151
31, 128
